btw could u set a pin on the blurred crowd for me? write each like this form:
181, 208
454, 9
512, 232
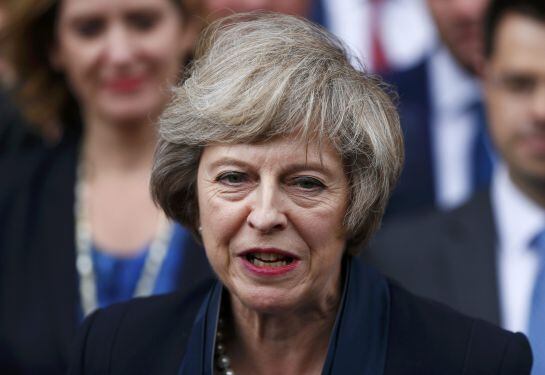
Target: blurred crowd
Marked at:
84, 81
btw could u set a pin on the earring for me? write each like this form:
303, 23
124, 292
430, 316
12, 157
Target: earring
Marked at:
200, 229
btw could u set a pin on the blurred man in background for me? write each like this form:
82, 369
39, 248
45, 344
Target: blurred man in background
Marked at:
448, 155
487, 258
386, 35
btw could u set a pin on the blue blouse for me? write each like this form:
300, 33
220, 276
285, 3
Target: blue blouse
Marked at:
116, 277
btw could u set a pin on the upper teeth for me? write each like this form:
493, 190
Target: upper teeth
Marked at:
271, 257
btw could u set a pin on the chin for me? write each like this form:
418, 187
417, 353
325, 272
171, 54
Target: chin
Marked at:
132, 110
266, 299
131, 116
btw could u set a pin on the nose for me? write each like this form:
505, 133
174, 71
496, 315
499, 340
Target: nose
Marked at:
119, 46
266, 214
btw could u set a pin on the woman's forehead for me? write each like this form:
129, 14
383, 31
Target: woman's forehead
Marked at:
83, 7
279, 151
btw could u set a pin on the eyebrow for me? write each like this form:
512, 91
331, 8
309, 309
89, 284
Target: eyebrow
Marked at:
229, 161
292, 168
317, 167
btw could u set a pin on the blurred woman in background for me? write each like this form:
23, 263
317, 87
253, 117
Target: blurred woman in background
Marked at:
78, 229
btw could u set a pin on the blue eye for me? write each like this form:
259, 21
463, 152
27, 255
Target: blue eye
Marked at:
308, 183
232, 178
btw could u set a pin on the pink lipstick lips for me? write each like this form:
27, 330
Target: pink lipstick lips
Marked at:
269, 262
125, 85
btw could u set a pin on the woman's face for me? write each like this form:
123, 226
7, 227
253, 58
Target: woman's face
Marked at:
271, 217
120, 56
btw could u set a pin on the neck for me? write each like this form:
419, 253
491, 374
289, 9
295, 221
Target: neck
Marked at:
533, 188
110, 147
292, 343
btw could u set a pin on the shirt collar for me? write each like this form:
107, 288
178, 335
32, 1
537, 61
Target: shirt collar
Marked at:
518, 218
453, 89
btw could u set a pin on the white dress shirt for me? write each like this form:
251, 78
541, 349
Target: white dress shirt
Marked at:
406, 30
453, 128
518, 221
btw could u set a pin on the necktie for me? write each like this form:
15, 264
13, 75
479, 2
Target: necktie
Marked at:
380, 62
536, 323
482, 151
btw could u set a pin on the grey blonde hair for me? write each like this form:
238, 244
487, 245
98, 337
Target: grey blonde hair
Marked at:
257, 76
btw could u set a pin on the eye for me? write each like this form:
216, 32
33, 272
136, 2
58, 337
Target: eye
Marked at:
308, 183
143, 21
232, 178
519, 84
90, 27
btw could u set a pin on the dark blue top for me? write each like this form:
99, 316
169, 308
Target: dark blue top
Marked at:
116, 277
380, 329
358, 343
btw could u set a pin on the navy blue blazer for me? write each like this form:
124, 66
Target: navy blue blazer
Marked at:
38, 280
380, 329
416, 187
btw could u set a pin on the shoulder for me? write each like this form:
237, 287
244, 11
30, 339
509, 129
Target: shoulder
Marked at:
428, 337
425, 232
36, 163
31, 179
15, 133
144, 335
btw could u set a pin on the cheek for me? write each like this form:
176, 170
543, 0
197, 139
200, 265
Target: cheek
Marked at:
503, 123
79, 81
78, 63
220, 220
165, 55
167, 49
322, 230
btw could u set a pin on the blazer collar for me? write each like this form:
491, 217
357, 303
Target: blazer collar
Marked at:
357, 344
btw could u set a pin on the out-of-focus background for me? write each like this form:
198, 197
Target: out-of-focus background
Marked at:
82, 83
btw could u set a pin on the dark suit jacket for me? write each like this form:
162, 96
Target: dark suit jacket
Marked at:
449, 257
15, 133
38, 280
416, 188
150, 336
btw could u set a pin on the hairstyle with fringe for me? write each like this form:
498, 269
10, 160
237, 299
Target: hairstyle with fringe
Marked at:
257, 76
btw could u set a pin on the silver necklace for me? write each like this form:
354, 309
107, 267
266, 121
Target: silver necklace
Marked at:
84, 262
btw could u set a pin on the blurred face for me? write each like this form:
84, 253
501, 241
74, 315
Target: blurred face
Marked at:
120, 56
271, 218
460, 24
515, 94
220, 8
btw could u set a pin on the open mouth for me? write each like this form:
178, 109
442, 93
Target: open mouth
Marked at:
270, 260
